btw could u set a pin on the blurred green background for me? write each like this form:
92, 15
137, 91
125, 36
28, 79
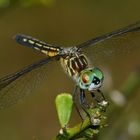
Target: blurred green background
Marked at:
66, 23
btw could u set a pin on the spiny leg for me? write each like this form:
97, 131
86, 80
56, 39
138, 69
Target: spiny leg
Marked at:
104, 102
101, 94
82, 103
83, 99
94, 97
76, 107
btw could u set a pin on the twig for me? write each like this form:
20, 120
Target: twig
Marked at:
97, 119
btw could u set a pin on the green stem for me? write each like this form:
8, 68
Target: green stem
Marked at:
78, 130
72, 132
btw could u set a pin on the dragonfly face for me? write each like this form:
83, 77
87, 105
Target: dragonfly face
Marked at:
91, 79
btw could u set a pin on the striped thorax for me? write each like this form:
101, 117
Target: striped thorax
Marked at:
73, 61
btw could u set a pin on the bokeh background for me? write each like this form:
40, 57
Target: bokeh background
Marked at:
66, 23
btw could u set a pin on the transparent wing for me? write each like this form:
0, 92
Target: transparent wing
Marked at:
123, 41
20, 84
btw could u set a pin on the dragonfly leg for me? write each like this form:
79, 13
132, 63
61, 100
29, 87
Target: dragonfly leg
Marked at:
75, 105
94, 97
83, 99
82, 103
101, 94
104, 103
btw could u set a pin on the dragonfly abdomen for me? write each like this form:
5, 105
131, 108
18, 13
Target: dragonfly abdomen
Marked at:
47, 49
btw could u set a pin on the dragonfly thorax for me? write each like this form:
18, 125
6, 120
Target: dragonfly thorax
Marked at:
69, 51
73, 61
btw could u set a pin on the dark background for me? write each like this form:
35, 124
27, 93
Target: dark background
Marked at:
66, 23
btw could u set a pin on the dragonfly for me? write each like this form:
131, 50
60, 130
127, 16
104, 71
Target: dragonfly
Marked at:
74, 61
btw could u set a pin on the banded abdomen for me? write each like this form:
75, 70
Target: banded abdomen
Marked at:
47, 49
74, 64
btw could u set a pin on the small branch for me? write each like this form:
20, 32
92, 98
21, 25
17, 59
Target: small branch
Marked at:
97, 119
69, 133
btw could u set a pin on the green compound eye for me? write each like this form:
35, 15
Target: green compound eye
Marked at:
90, 78
87, 77
98, 73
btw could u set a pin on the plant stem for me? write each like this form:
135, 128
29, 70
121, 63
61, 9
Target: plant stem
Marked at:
71, 133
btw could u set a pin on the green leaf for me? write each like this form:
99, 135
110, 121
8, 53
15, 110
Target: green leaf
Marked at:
64, 105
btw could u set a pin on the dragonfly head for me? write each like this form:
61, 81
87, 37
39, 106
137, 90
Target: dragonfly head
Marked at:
91, 79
